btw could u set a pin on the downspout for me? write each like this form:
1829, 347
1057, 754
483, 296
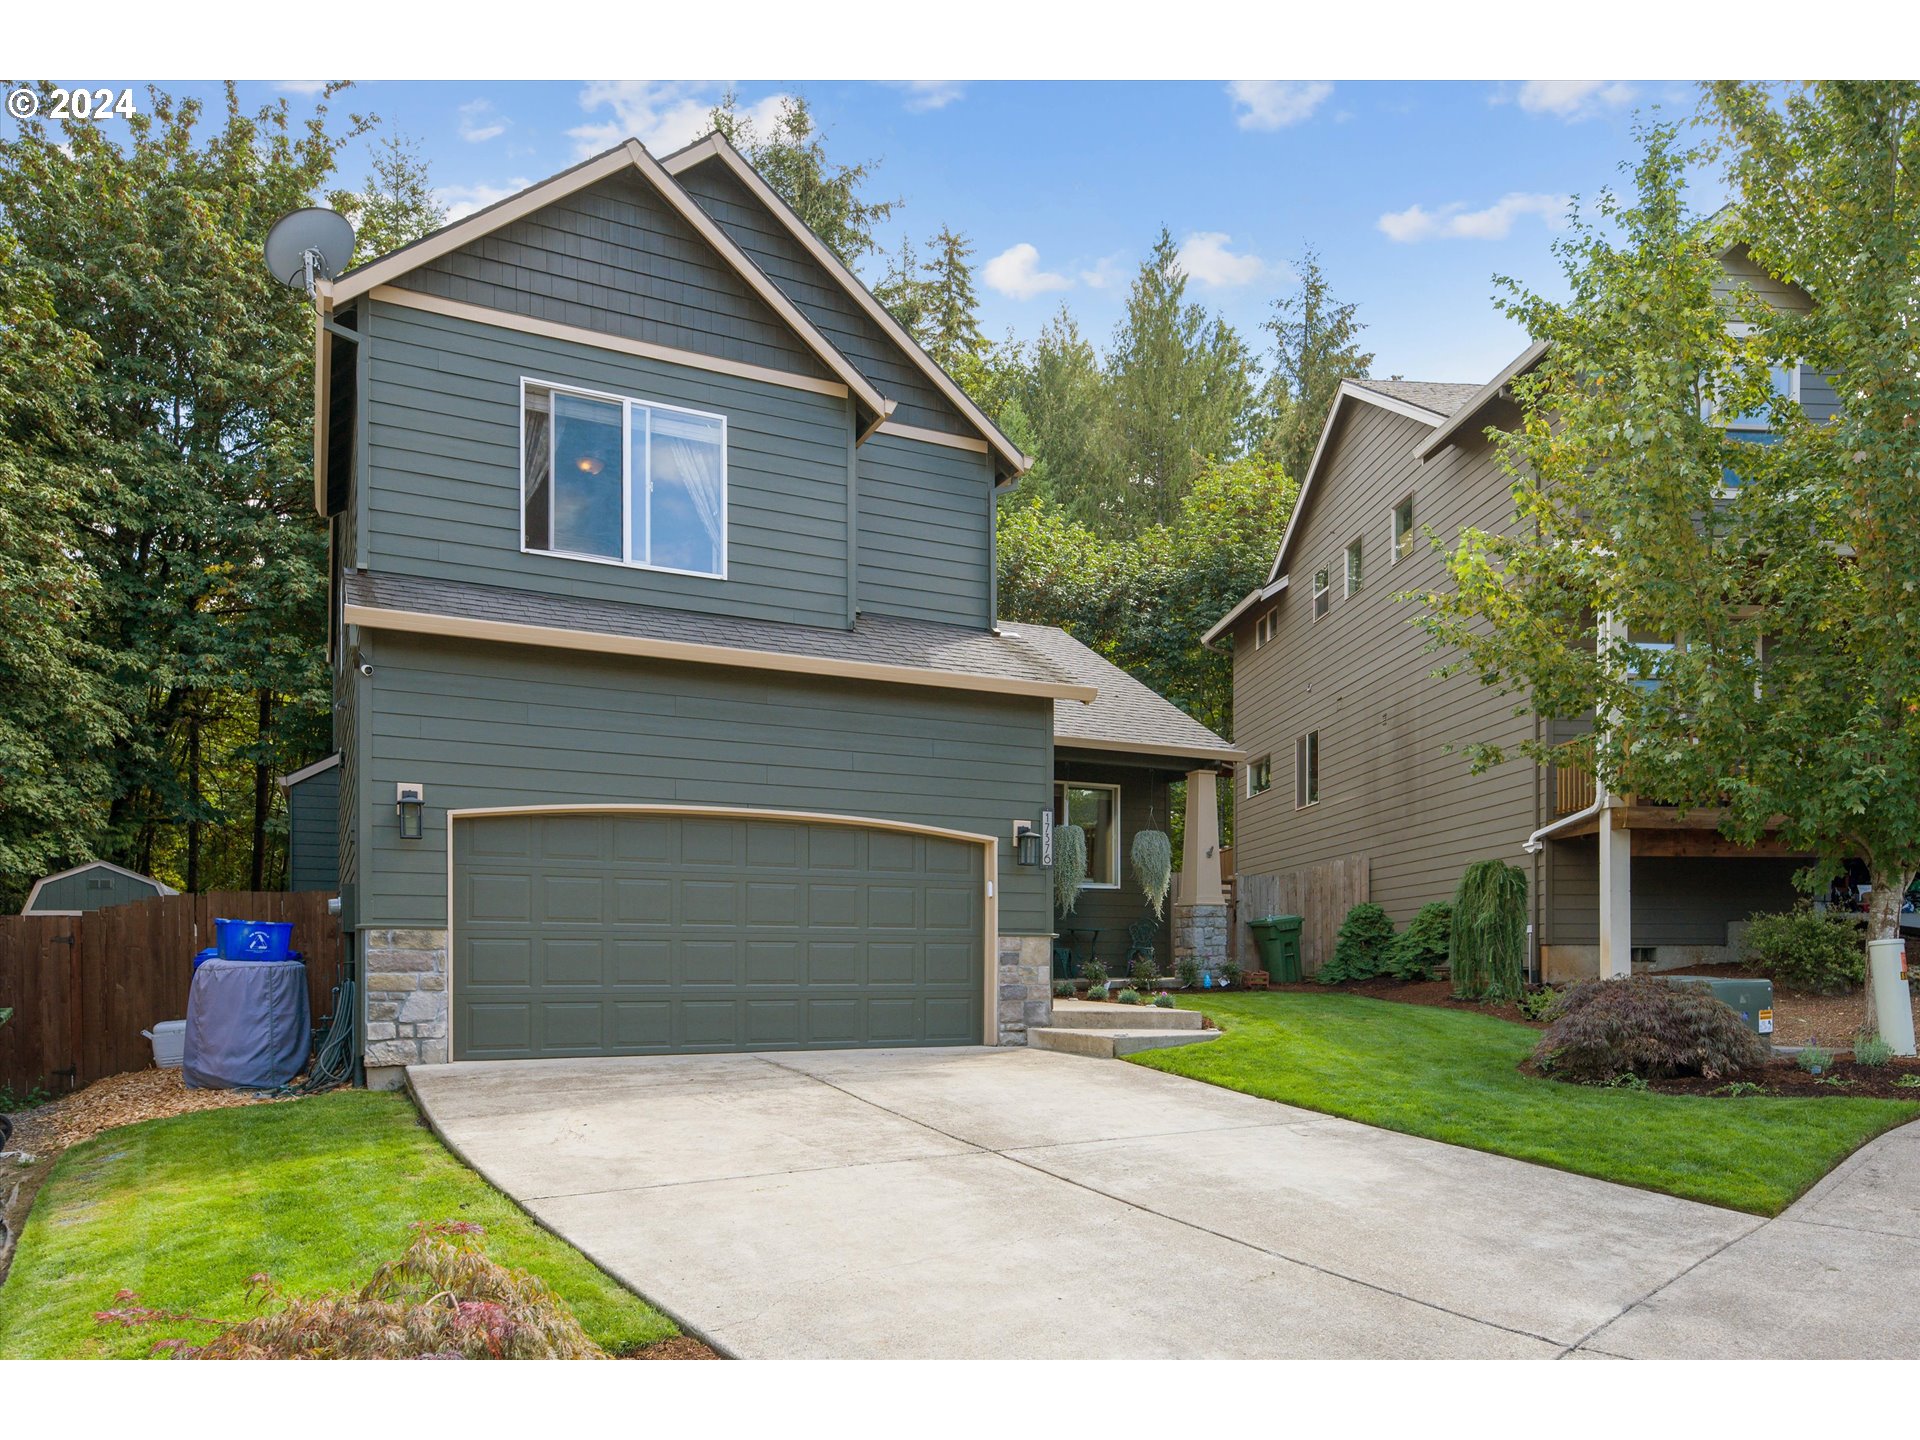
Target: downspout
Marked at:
1536, 842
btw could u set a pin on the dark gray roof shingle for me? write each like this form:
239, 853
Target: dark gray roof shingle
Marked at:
1125, 712
874, 639
1443, 397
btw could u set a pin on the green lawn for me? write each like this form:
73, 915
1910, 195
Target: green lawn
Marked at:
1449, 1075
315, 1193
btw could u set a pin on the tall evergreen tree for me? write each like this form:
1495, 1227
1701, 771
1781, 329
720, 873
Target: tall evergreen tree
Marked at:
792, 157
1075, 449
1316, 342
395, 205
954, 337
907, 292
1181, 389
190, 444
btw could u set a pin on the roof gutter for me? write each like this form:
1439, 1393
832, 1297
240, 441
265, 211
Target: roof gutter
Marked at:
1254, 597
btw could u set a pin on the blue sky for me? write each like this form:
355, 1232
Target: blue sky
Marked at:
1415, 193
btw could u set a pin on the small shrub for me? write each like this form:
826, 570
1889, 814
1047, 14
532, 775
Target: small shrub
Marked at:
1820, 952
1642, 1027
443, 1298
1908, 1082
1839, 1082
1421, 948
1487, 946
1814, 1059
1063, 989
1187, 971
1097, 992
1871, 1051
1141, 972
1094, 972
1626, 1080
1129, 996
1230, 972
1360, 949
1738, 1088
1540, 1005
1163, 1001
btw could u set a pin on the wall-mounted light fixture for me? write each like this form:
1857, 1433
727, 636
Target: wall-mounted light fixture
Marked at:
410, 800
1033, 844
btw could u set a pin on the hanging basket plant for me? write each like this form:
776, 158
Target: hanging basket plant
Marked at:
1153, 867
1069, 866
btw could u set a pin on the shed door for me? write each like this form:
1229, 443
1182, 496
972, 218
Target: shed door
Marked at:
668, 934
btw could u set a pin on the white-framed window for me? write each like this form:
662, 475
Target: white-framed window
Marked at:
1096, 810
1402, 532
1653, 650
1306, 770
1785, 380
1321, 590
1265, 627
1353, 568
1259, 775
622, 481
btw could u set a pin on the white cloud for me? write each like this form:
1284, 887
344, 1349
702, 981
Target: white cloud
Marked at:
463, 200
1205, 257
1016, 272
662, 114
479, 121
1272, 104
1105, 273
1456, 222
300, 87
930, 94
1574, 99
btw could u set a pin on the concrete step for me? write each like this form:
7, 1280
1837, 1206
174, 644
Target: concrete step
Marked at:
1098, 1015
1111, 1044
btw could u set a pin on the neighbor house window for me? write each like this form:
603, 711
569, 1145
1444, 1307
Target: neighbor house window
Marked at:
1402, 531
1260, 775
1320, 590
1353, 568
1306, 770
1264, 628
1096, 810
627, 481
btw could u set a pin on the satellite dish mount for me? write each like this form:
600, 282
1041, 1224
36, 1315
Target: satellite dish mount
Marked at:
308, 245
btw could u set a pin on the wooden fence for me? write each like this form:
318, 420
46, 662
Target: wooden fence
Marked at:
83, 987
1320, 894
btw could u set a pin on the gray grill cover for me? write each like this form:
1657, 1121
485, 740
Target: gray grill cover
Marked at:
248, 1027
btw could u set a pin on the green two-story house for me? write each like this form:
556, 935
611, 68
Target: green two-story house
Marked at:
671, 707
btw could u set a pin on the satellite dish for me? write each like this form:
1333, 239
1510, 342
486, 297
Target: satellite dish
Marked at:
308, 244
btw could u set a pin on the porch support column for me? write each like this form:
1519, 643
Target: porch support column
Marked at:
1200, 905
1616, 897
1200, 856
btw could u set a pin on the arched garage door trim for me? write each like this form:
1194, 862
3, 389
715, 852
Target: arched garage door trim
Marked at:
990, 856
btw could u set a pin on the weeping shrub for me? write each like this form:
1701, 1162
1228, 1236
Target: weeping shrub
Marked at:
1487, 947
1069, 866
1153, 866
1421, 948
1603, 1029
1360, 949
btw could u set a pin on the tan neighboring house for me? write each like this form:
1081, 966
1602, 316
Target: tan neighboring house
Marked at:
1357, 785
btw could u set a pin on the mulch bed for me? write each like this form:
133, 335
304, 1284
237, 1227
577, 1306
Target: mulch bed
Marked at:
1415, 992
1784, 1077
1803, 1019
679, 1347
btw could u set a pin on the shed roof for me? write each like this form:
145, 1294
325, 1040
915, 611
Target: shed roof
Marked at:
1126, 715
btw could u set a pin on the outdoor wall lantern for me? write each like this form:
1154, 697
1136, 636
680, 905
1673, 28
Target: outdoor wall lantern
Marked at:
1033, 844
409, 801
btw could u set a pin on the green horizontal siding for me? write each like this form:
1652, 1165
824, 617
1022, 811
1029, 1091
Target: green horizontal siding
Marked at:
484, 725
313, 832
926, 543
444, 493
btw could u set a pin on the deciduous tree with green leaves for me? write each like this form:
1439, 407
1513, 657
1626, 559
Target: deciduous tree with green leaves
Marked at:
1781, 562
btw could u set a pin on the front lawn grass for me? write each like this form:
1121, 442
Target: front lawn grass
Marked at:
1450, 1075
315, 1193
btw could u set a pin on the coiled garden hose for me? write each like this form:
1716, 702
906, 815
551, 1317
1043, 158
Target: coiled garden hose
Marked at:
333, 1059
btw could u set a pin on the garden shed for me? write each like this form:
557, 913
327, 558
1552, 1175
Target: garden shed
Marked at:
92, 886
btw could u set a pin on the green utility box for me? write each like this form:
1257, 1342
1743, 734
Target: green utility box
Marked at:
1751, 1000
1278, 937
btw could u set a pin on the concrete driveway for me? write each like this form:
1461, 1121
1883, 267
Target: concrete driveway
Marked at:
1018, 1204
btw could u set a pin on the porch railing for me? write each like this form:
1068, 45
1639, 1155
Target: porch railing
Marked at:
1573, 790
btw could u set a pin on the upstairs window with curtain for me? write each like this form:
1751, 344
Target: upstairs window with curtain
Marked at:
623, 481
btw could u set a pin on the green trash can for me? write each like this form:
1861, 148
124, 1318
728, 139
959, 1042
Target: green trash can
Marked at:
1278, 937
